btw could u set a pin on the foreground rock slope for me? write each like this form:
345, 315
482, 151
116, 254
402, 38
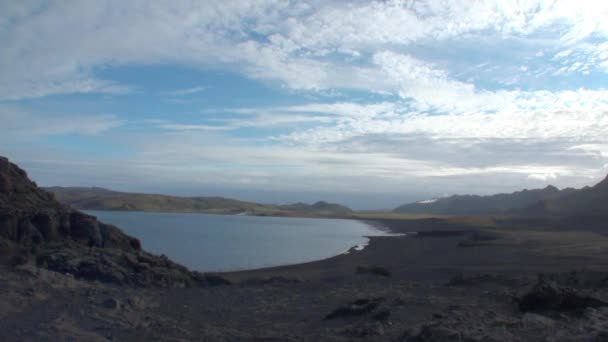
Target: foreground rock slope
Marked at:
37, 229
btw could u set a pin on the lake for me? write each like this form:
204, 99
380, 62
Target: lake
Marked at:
206, 243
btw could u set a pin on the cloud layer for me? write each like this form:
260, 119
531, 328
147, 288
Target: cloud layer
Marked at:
411, 97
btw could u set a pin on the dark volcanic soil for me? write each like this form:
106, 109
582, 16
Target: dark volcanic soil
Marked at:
448, 284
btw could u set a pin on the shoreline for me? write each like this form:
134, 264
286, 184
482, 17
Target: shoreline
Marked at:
441, 250
399, 232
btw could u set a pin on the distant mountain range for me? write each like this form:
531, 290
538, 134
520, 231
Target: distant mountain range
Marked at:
485, 205
103, 199
589, 203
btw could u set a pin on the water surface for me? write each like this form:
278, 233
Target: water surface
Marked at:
230, 242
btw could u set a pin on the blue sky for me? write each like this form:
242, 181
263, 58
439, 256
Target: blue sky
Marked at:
371, 104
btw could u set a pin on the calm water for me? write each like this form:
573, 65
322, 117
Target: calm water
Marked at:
222, 243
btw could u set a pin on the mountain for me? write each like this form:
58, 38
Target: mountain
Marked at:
37, 229
104, 199
483, 205
589, 203
320, 206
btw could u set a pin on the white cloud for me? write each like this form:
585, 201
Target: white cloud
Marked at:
184, 127
443, 94
21, 124
593, 149
186, 91
519, 121
543, 176
56, 49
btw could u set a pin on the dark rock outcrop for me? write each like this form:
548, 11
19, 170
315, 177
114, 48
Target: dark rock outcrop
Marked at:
548, 296
34, 227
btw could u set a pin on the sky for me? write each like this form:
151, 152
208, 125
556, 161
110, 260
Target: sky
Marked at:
368, 103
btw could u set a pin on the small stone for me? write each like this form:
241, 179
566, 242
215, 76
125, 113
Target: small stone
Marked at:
537, 321
382, 315
111, 303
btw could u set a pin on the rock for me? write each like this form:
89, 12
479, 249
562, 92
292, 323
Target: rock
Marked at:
137, 302
5, 184
601, 336
85, 228
111, 303
46, 225
365, 330
113, 237
272, 281
27, 233
356, 308
547, 296
432, 332
9, 227
375, 270
100, 270
215, 280
508, 322
537, 321
383, 315
468, 280
34, 225
28, 269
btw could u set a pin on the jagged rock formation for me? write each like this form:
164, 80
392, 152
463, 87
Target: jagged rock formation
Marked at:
35, 228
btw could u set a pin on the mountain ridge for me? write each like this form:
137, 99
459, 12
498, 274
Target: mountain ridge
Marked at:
588, 202
484, 205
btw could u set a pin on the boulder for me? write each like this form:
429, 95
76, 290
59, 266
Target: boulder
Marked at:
537, 321
356, 308
9, 226
111, 303
46, 224
548, 296
5, 184
85, 228
27, 232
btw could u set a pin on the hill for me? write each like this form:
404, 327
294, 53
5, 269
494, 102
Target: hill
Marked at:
104, 199
320, 206
587, 204
484, 205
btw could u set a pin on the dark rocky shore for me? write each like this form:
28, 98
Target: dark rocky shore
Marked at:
67, 277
